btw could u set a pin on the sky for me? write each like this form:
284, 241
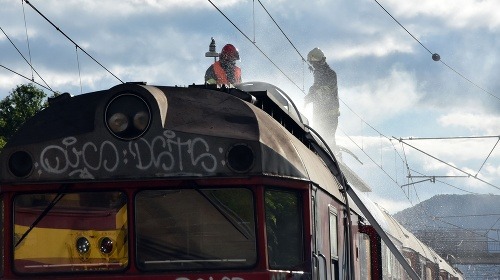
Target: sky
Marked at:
402, 113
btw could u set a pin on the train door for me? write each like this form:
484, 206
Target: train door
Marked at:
327, 263
320, 236
334, 250
318, 259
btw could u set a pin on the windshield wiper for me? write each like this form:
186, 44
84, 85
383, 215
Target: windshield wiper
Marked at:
60, 194
195, 261
226, 212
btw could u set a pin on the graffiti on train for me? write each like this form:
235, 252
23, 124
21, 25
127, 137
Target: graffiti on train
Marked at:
164, 154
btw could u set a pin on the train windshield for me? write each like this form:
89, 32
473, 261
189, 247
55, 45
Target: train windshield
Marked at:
68, 232
193, 229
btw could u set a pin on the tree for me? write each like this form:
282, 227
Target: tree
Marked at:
21, 104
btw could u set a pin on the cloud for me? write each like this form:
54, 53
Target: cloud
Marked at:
384, 98
385, 77
454, 13
379, 46
476, 123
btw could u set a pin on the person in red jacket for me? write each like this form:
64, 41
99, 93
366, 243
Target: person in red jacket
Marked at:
225, 71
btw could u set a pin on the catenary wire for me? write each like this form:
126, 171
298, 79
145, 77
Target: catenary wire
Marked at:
381, 134
402, 141
71, 40
26, 62
79, 72
255, 44
299, 88
454, 167
47, 88
445, 64
450, 138
28, 42
487, 157
282, 32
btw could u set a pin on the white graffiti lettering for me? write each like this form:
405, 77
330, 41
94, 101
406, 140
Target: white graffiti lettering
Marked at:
163, 153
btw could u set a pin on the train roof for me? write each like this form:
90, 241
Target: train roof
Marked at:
411, 242
192, 132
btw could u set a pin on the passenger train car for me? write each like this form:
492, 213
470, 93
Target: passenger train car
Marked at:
187, 183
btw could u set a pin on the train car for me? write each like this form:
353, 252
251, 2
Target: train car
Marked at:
170, 183
180, 183
423, 260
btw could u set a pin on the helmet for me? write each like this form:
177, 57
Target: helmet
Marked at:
315, 55
229, 52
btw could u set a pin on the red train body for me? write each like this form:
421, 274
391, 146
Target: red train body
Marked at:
153, 182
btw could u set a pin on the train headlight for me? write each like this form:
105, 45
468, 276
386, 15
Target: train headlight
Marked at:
118, 122
83, 246
106, 245
141, 120
127, 116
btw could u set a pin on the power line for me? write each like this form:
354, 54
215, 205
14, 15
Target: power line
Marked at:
450, 138
340, 99
436, 56
454, 167
27, 41
467, 216
47, 88
255, 44
282, 32
32, 69
58, 29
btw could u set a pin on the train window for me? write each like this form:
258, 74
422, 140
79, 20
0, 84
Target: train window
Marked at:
192, 229
334, 252
63, 232
284, 229
428, 273
364, 256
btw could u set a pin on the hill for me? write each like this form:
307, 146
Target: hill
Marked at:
475, 212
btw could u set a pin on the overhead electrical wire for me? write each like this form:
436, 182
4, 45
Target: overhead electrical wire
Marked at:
27, 41
45, 87
29, 63
381, 134
467, 216
435, 56
342, 101
351, 110
282, 32
71, 40
402, 141
450, 165
255, 44
450, 138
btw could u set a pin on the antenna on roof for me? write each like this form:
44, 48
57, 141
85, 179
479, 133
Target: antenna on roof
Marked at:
212, 50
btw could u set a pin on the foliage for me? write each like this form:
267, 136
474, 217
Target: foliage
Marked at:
21, 104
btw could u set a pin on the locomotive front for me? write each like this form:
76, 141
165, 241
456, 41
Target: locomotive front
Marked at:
157, 182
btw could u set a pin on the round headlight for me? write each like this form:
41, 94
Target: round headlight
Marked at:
83, 245
106, 245
118, 122
127, 116
141, 120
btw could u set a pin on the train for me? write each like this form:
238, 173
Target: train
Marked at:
199, 182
